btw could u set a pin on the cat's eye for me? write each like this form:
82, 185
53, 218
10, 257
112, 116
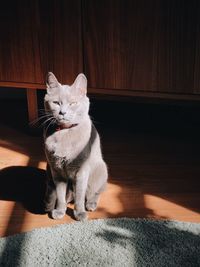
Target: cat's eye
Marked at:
73, 103
56, 102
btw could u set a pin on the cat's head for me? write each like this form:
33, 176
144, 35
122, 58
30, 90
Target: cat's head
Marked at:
68, 104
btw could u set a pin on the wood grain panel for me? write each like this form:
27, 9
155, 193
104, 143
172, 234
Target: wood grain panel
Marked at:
197, 55
19, 53
32, 104
177, 37
60, 38
118, 44
142, 45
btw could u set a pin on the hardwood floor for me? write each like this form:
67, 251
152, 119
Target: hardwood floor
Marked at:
154, 172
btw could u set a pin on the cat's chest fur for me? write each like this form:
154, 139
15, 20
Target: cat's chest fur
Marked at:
62, 144
68, 143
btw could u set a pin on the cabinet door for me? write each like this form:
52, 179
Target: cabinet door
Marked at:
142, 45
60, 38
177, 46
19, 53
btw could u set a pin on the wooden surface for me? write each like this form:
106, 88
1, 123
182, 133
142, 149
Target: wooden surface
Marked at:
32, 104
60, 38
130, 48
19, 46
37, 37
153, 173
142, 45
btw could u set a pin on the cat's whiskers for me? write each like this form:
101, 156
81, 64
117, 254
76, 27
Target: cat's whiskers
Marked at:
39, 118
48, 119
53, 120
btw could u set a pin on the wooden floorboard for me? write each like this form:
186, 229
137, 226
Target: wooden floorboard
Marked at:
151, 175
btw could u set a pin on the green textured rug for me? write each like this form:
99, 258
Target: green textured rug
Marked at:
108, 242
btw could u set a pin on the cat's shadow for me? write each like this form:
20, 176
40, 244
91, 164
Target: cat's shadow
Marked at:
25, 185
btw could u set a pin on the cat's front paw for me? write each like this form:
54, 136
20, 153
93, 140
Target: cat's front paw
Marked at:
58, 214
91, 206
80, 216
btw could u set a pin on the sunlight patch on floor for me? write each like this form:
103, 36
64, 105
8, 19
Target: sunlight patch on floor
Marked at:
42, 165
169, 210
8, 157
114, 206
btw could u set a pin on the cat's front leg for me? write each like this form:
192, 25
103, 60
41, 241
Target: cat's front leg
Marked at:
80, 187
50, 195
61, 206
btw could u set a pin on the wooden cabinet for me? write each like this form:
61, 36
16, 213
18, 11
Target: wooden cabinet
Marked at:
128, 48
177, 46
60, 38
142, 46
37, 37
19, 47
119, 48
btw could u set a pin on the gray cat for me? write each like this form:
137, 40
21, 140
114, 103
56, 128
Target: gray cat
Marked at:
76, 170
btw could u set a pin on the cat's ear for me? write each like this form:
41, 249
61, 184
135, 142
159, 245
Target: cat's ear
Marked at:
51, 81
79, 86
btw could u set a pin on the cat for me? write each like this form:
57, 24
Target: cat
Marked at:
75, 167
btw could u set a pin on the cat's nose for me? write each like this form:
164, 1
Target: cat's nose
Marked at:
62, 112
